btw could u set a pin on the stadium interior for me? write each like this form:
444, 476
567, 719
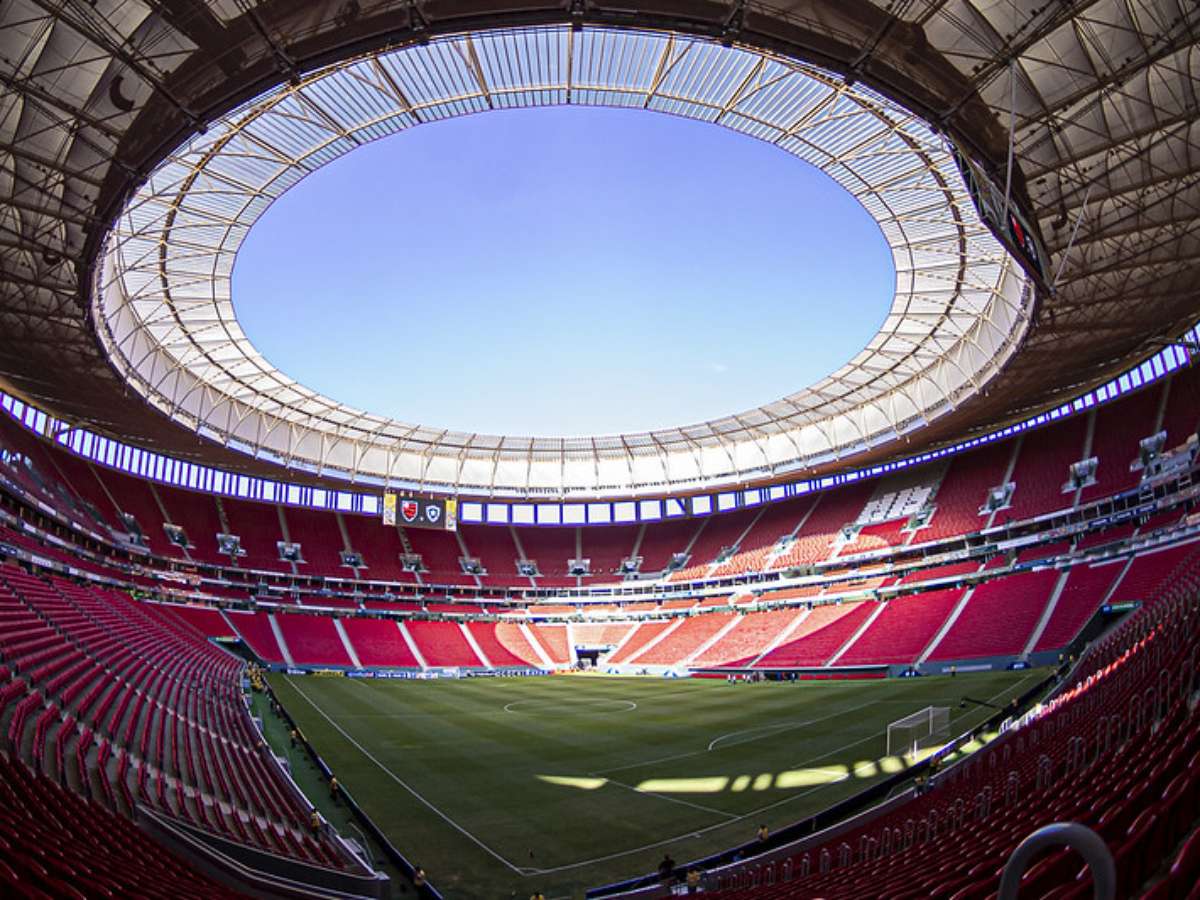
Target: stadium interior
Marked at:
931, 625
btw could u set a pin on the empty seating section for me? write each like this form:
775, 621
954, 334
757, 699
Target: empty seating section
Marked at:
136, 498
313, 639
816, 536
999, 617
512, 639
963, 491
718, 533
495, 550
685, 640
950, 571
903, 629
440, 552
197, 515
600, 635
876, 537
255, 629
442, 644
550, 548
1085, 590
643, 635
91, 507
662, 539
380, 548
55, 843
1043, 467
553, 641
257, 525
1106, 536
1098, 753
128, 704
756, 547
1118, 430
1182, 414
378, 642
320, 541
820, 635
749, 637
1150, 572
206, 620
606, 548
499, 653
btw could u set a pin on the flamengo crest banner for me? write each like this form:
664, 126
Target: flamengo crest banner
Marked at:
419, 512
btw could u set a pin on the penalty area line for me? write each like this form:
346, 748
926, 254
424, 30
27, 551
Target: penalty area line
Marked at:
396, 778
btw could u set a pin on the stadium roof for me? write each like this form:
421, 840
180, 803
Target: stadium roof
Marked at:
97, 97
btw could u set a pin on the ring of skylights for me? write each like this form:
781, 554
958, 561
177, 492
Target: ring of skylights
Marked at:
165, 318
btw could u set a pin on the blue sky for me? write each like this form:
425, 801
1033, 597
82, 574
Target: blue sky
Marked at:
562, 271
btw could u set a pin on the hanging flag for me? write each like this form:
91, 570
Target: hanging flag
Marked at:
389, 509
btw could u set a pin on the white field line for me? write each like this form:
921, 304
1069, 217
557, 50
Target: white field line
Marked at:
396, 778
679, 800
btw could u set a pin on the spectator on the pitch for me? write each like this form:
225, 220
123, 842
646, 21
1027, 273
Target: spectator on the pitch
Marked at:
334, 789
537, 895
666, 868
763, 833
419, 880
295, 736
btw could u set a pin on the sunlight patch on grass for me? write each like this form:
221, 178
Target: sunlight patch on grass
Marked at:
580, 782
798, 778
712, 784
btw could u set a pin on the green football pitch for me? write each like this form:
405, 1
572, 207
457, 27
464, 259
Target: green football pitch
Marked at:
498, 787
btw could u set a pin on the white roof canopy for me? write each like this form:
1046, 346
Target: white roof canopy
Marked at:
166, 320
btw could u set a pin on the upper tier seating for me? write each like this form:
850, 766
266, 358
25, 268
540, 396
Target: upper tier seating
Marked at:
817, 535
1043, 466
963, 491
662, 539
320, 541
776, 521
606, 548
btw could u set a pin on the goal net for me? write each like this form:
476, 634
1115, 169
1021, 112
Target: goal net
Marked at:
929, 727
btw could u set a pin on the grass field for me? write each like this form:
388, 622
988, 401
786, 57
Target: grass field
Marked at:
498, 787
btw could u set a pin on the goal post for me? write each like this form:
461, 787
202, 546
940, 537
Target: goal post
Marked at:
928, 727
